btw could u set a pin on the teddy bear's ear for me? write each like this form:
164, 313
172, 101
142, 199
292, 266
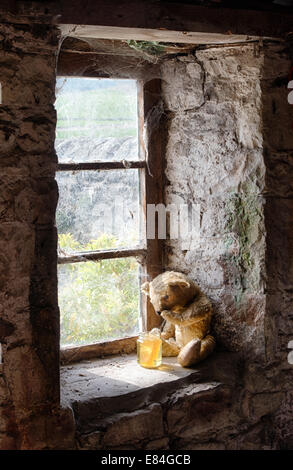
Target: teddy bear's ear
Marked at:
180, 283
145, 288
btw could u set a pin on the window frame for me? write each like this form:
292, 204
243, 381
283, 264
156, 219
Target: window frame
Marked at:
150, 167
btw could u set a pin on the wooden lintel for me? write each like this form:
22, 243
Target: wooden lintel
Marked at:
144, 34
101, 255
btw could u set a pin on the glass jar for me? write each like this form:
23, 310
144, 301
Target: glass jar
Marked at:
149, 349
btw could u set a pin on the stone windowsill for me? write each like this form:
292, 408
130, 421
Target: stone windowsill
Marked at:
100, 389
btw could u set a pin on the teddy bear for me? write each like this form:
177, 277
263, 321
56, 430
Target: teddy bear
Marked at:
187, 313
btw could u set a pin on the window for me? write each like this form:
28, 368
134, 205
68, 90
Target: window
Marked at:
104, 185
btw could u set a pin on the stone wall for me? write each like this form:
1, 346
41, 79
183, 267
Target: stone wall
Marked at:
215, 159
29, 317
277, 119
230, 151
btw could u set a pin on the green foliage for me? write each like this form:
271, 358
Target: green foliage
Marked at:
96, 113
98, 300
149, 47
242, 219
106, 241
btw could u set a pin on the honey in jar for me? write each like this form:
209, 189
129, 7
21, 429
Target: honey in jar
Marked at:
149, 349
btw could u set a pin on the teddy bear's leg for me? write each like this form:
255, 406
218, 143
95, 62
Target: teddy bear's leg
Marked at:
207, 346
196, 350
190, 353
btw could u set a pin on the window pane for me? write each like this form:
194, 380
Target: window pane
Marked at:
105, 304
97, 210
96, 119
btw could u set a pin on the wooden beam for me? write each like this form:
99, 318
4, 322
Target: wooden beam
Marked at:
144, 34
153, 20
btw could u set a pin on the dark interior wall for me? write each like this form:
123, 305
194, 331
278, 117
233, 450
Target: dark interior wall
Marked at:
29, 325
277, 119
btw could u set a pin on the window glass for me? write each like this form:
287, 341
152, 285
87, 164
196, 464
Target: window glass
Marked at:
98, 301
97, 210
96, 120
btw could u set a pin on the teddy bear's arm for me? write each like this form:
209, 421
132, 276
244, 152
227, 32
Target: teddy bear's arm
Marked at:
199, 310
179, 314
172, 317
168, 330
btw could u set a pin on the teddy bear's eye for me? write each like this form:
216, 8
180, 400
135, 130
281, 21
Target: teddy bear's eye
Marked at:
166, 297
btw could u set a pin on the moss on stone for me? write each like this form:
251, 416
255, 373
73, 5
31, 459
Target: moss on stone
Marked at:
242, 219
148, 47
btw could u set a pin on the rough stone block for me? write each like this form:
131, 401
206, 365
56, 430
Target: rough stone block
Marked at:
32, 201
276, 64
7, 442
133, 427
29, 38
279, 171
283, 423
36, 202
17, 248
182, 444
254, 438
277, 116
158, 444
90, 441
238, 323
28, 130
3, 394
279, 257
258, 379
231, 62
27, 80
209, 163
37, 131
264, 404
30, 385
197, 409
182, 84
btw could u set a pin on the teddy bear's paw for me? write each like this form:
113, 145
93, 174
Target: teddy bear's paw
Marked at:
165, 314
169, 348
190, 353
165, 335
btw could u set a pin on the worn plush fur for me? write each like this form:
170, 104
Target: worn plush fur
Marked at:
188, 314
